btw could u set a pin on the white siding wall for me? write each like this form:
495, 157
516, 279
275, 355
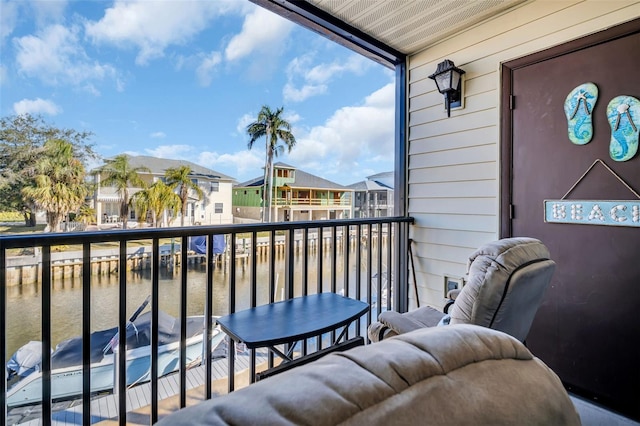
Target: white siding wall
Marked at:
454, 163
222, 196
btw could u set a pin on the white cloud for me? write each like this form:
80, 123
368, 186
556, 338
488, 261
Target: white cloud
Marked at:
120, 85
158, 135
171, 151
262, 31
55, 56
205, 70
3, 74
246, 163
290, 93
8, 18
243, 122
152, 26
48, 12
292, 117
91, 89
350, 135
323, 73
36, 106
314, 80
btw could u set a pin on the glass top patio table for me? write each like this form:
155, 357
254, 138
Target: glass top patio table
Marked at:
291, 320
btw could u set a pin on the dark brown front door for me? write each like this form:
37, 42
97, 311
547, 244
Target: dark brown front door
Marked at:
587, 329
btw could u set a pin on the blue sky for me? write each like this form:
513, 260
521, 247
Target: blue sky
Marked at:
182, 79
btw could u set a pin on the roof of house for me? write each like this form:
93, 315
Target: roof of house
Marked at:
259, 181
358, 186
369, 185
379, 181
160, 165
302, 180
381, 175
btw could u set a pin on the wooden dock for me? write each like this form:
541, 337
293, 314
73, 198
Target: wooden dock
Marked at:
104, 408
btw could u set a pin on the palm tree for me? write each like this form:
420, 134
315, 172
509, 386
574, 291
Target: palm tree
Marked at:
119, 172
86, 214
155, 199
58, 184
180, 177
274, 128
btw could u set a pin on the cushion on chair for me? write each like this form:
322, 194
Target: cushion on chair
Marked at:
459, 375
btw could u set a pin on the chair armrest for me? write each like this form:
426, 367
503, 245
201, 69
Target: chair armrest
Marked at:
403, 323
377, 331
452, 294
397, 322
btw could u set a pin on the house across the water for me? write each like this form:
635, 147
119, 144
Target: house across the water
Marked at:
297, 195
373, 197
213, 208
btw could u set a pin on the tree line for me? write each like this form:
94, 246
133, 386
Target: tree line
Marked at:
43, 168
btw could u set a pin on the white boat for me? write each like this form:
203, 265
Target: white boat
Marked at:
66, 360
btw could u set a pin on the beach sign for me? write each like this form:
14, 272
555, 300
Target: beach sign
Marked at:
593, 212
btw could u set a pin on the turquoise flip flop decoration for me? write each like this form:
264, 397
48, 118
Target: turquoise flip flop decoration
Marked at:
578, 107
623, 113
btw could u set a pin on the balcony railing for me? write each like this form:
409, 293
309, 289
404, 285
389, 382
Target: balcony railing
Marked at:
310, 202
360, 258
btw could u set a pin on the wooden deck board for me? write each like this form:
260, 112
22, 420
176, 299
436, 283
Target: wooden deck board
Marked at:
196, 375
133, 401
164, 391
144, 396
112, 407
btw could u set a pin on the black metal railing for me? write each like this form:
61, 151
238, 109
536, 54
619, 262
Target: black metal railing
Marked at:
309, 255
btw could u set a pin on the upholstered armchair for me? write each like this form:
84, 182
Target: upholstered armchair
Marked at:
506, 281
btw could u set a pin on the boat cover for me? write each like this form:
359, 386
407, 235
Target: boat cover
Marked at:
69, 352
26, 360
199, 244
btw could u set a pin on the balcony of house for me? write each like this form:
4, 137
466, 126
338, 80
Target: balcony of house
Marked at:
329, 202
66, 298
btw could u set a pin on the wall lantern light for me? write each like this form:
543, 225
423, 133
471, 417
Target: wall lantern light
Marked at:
448, 78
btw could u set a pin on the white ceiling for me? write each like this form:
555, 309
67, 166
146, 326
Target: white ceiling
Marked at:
410, 26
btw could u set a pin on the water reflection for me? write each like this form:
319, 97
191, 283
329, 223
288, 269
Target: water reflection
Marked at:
24, 302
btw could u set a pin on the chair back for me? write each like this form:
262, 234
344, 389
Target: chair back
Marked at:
506, 283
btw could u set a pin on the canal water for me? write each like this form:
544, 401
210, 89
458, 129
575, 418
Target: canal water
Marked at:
24, 302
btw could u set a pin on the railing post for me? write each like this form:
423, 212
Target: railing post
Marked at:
289, 264
86, 334
46, 334
120, 354
401, 285
184, 244
3, 328
208, 313
231, 353
155, 306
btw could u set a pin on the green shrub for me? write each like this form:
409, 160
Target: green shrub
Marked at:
11, 217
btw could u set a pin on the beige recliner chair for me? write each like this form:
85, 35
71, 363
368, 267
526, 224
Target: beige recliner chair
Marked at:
506, 282
454, 375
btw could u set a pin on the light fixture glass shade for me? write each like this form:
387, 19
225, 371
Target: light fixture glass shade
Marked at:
443, 81
455, 79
